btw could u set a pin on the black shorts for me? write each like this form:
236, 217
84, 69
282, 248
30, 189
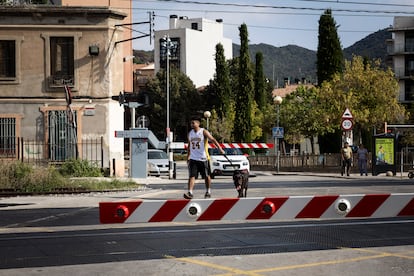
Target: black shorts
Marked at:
195, 167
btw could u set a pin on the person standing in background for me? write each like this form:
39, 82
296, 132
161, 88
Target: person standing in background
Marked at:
346, 155
362, 155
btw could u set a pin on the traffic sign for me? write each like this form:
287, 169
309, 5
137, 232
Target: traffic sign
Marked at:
346, 124
347, 114
132, 133
278, 132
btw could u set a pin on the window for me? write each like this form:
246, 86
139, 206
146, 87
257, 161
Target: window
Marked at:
409, 65
61, 57
409, 90
62, 60
7, 59
409, 41
9, 132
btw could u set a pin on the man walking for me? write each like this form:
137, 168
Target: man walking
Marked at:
197, 157
362, 155
346, 155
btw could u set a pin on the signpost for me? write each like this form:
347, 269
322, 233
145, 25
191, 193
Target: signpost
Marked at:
347, 123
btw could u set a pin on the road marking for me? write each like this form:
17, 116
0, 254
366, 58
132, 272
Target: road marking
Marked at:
323, 263
388, 253
233, 271
334, 262
214, 266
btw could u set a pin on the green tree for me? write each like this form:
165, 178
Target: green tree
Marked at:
370, 92
300, 115
185, 102
259, 83
244, 93
222, 128
329, 53
220, 85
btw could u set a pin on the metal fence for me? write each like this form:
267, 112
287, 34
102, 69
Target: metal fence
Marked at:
39, 152
330, 162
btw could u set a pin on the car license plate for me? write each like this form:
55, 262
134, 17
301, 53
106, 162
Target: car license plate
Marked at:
232, 167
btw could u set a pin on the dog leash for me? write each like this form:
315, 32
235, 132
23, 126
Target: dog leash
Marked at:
228, 159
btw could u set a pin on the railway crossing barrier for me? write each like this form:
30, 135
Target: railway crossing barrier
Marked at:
259, 208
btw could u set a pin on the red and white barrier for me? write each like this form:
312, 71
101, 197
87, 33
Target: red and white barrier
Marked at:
240, 145
267, 208
244, 145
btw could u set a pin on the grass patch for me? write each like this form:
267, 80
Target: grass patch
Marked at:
18, 177
102, 185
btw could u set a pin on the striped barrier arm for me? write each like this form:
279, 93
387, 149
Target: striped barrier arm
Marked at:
255, 208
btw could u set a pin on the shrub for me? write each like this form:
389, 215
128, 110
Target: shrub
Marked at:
80, 168
23, 177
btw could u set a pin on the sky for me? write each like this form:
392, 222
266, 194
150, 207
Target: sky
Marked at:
275, 22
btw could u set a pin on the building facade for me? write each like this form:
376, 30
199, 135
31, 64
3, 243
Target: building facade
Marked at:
59, 68
401, 49
192, 48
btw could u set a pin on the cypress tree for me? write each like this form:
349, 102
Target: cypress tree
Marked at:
259, 82
222, 82
329, 53
244, 93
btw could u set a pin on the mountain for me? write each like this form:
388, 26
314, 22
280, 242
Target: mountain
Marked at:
373, 46
297, 63
290, 61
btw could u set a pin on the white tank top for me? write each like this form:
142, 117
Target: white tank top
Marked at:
198, 145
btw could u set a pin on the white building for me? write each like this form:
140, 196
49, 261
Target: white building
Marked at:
193, 47
401, 48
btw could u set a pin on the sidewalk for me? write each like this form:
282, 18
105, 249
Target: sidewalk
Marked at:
182, 177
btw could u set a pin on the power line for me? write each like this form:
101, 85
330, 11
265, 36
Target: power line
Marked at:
290, 7
270, 9
358, 3
260, 12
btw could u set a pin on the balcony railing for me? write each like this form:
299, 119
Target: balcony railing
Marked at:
61, 80
400, 48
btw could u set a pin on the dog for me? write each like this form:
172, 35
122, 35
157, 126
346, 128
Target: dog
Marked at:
241, 182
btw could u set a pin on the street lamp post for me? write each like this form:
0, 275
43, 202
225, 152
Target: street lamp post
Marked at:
166, 43
278, 101
207, 115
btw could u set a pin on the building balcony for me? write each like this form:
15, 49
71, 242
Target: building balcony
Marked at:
404, 73
400, 49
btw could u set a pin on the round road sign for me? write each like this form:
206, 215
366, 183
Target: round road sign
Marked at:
346, 124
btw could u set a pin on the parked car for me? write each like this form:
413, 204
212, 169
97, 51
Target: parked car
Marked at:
220, 165
157, 163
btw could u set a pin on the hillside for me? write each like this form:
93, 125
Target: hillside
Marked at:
373, 46
295, 62
282, 62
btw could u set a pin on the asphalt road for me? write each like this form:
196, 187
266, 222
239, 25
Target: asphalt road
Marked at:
61, 235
